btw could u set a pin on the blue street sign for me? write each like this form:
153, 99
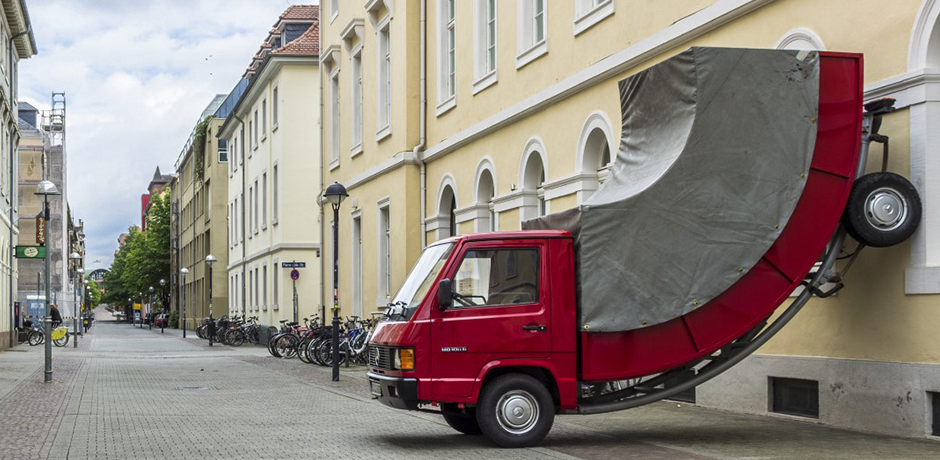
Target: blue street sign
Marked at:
294, 275
293, 264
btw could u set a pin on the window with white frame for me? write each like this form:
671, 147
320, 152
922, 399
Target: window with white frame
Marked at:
334, 119
264, 287
334, 9
264, 119
251, 130
254, 221
385, 254
251, 199
257, 291
277, 281
254, 142
274, 193
251, 285
274, 107
264, 200
532, 25
447, 59
234, 163
385, 80
357, 99
236, 222
484, 43
590, 12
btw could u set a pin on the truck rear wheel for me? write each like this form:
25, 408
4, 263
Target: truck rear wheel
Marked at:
464, 421
884, 209
515, 410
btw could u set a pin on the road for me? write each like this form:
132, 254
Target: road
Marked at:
129, 393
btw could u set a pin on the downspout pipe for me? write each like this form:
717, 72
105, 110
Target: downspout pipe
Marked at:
13, 185
244, 242
418, 150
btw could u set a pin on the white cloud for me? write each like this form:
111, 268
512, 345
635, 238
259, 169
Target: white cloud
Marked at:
136, 74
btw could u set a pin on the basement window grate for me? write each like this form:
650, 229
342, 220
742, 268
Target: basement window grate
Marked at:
794, 397
934, 398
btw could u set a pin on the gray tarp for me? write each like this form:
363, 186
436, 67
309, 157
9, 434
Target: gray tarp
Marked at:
715, 146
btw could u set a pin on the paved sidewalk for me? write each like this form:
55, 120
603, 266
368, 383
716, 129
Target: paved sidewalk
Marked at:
131, 393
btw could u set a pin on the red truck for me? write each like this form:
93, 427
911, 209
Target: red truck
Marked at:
740, 175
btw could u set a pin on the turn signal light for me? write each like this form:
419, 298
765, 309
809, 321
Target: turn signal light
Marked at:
406, 357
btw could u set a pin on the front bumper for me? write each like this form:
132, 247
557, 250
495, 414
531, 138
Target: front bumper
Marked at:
397, 392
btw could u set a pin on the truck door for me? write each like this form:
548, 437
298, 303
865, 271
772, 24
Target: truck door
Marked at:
501, 310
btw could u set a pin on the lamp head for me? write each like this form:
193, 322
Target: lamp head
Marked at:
210, 259
335, 194
184, 271
46, 187
162, 282
75, 256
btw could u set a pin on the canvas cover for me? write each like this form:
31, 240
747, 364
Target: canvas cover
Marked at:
714, 152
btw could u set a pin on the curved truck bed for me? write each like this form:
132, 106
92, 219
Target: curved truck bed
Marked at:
757, 294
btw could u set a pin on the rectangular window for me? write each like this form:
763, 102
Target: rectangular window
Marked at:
234, 165
532, 36
449, 44
276, 301
264, 285
385, 79
257, 195
237, 211
274, 106
357, 266
254, 143
251, 199
385, 254
334, 120
357, 99
274, 192
795, 397
935, 412
251, 276
492, 277
223, 150
264, 118
490, 36
251, 130
264, 200
538, 20
257, 291
484, 44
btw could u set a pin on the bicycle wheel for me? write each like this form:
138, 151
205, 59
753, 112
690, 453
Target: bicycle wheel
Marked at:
35, 338
62, 342
235, 338
286, 346
325, 352
271, 342
302, 351
201, 332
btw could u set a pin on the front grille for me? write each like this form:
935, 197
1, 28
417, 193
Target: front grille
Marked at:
380, 357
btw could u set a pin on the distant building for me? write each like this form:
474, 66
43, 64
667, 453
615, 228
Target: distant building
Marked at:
156, 186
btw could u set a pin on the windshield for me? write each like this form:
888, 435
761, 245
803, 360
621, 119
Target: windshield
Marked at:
419, 282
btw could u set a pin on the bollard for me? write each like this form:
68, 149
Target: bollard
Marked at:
75, 334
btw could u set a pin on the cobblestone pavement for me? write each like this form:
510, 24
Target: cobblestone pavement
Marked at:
129, 393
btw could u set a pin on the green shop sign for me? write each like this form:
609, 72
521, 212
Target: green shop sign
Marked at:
30, 252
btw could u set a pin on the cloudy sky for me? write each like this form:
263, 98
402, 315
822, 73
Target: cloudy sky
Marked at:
136, 74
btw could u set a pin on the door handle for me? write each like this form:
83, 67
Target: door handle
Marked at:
535, 327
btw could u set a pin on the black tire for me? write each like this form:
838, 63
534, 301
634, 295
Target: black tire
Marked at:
271, 343
462, 420
61, 342
286, 346
35, 338
302, 349
201, 332
883, 210
235, 338
515, 410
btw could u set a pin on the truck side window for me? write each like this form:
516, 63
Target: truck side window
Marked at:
491, 277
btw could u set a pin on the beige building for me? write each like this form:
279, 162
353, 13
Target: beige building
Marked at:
496, 112
198, 217
16, 42
274, 174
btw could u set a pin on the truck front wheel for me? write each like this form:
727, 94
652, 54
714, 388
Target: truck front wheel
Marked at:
515, 410
464, 421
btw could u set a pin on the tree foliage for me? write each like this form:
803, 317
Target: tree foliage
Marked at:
144, 259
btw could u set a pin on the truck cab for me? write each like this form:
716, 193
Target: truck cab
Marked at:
478, 310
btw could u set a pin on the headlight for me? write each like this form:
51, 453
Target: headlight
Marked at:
404, 359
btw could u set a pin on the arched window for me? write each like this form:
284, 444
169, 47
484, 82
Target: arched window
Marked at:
800, 39
533, 187
444, 224
486, 210
594, 153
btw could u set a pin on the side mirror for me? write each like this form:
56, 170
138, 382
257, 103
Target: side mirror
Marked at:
445, 294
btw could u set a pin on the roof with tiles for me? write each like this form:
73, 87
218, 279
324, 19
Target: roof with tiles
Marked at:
301, 12
307, 44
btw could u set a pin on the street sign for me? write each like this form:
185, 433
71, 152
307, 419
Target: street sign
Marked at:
40, 231
294, 275
30, 252
293, 264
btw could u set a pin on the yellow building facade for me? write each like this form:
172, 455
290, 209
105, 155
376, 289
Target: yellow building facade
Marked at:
452, 117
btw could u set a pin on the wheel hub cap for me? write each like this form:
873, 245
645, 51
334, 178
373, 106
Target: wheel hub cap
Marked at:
517, 412
885, 209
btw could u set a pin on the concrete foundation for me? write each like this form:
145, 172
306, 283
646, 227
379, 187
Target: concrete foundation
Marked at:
880, 397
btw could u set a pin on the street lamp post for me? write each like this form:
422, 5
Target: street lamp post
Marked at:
82, 298
150, 309
163, 303
210, 259
335, 194
130, 314
77, 307
183, 273
140, 315
47, 188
